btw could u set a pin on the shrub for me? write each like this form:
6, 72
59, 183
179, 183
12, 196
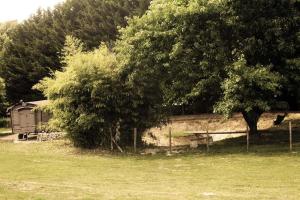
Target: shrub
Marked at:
4, 122
92, 99
81, 93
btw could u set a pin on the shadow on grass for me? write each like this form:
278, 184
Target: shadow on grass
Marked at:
5, 134
274, 141
270, 143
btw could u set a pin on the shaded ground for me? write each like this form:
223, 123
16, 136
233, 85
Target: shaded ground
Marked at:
9, 137
182, 124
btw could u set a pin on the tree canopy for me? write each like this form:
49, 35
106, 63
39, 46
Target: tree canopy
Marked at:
35, 45
249, 89
5, 29
205, 55
181, 45
3, 100
193, 49
268, 34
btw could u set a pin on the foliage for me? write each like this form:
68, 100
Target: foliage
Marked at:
174, 55
248, 88
267, 33
90, 101
181, 48
177, 51
4, 122
82, 95
30, 55
3, 101
34, 50
5, 28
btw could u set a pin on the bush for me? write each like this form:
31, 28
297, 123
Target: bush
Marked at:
3, 102
81, 94
92, 100
4, 122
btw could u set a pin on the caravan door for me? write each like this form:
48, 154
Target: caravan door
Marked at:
27, 120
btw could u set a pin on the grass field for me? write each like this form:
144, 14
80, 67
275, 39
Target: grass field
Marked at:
5, 132
59, 171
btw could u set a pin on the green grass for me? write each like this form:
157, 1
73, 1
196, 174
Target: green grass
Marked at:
180, 134
58, 171
5, 132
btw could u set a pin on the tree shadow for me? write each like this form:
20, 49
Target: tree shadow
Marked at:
271, 142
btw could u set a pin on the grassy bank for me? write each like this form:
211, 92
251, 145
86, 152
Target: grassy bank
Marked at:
58, 171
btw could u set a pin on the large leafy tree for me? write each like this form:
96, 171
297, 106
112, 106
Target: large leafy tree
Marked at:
191, 50
249, 89
178, 48
267, 34
35, 45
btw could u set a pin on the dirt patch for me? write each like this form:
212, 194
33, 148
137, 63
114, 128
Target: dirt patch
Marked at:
158, 136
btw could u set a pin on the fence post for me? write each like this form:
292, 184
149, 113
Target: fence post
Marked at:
207, 139
291, 135
134, 139
111, 140
170, 140
247, 132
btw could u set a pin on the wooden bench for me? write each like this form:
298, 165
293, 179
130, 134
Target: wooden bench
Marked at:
205, 135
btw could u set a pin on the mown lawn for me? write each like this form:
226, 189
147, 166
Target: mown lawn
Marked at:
58, 171
5, 130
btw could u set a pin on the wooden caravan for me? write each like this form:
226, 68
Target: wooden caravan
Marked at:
25, 119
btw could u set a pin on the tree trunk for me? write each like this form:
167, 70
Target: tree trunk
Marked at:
252, 118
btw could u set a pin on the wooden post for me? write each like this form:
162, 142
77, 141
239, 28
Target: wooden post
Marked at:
207, 141
291, 136
247, 132
111, 140
11, 122
120, 149
170, 140
134, 139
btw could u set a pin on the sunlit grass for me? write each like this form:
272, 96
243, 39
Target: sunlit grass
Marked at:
59, 171
5, 132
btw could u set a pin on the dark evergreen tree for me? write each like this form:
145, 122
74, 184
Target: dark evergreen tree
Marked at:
35, 45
